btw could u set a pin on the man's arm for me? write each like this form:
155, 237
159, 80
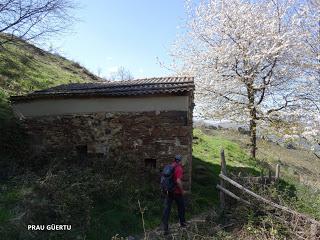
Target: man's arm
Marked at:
180, 185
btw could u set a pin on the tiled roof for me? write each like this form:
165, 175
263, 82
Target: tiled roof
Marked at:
149, 86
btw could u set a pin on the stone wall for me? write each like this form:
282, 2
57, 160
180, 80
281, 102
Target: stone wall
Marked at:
151, 139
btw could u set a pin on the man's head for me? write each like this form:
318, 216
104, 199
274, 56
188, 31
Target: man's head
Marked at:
178, 158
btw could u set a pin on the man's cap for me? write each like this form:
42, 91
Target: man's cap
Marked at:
178, 158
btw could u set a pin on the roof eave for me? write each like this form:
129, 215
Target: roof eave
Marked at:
25, 98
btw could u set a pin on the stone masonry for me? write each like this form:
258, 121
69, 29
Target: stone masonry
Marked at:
145, 137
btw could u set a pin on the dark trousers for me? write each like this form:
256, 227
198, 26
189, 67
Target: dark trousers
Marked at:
169, 198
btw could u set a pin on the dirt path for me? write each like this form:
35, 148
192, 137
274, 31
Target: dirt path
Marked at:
176, 232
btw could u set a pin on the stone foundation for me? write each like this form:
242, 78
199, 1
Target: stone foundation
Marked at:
151, 139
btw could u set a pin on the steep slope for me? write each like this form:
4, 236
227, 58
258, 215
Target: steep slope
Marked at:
25, 67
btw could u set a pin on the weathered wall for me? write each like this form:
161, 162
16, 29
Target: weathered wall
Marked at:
46, 107
158, 135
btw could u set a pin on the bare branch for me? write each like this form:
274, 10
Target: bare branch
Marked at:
121, 74
28, 20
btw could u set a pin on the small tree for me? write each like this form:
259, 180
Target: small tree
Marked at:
121, 74
31, 19
248, 58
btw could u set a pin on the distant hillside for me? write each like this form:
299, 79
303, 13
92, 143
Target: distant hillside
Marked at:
25, 67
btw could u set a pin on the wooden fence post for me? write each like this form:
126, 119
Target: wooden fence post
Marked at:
277, 172
222, 184
270, 176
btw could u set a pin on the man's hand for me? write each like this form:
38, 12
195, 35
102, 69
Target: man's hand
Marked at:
179, 183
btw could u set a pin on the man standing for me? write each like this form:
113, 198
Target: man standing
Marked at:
176, 195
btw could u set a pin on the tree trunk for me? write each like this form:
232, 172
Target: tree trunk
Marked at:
253, 136
253, 119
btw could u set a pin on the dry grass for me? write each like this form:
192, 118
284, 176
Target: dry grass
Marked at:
302, 165
299, 164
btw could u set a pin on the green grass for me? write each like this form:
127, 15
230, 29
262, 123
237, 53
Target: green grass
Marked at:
25, 68
298, 194
300, 197
207, 149
120, 214
108, 220
8, 200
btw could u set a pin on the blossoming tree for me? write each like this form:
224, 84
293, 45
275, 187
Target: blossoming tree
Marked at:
249, 59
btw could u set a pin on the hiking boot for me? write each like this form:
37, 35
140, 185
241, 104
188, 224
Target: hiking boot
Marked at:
165, 229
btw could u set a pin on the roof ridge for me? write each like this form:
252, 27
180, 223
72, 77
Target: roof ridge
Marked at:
112, 84
146, 86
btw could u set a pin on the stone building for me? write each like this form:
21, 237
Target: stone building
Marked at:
147, 120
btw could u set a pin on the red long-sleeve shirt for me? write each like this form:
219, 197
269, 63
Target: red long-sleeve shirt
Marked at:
178, 174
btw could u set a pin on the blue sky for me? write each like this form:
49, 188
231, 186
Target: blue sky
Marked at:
129, 33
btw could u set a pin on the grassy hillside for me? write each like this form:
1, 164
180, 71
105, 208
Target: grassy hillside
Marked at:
297, 164
25, 68
299, 168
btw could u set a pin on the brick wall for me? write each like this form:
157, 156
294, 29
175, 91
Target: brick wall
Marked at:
151, 139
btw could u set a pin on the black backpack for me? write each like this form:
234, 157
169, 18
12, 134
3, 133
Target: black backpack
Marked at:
167, 182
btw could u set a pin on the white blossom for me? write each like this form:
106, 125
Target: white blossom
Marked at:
253, 61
